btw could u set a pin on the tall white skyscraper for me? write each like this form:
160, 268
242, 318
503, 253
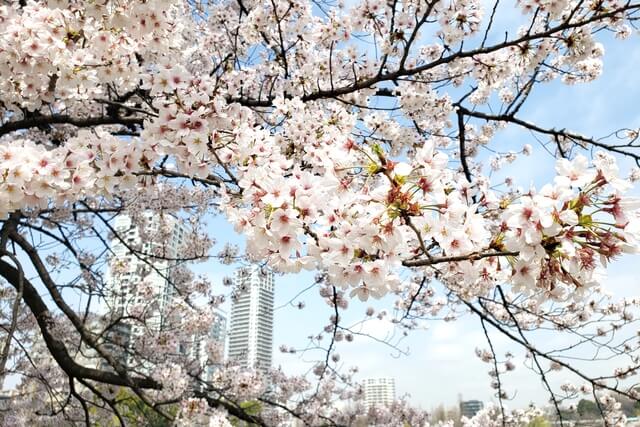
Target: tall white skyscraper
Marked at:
251, 332
139, 276
379, 391
143, 280
139, 282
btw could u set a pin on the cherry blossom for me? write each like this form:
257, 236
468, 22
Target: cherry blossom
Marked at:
357, 140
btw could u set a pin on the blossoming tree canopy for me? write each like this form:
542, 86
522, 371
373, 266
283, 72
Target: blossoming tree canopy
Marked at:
347, 138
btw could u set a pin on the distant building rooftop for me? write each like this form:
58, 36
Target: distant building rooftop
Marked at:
469, 408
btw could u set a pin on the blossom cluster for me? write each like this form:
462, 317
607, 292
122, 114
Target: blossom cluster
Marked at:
90, 164
306, 187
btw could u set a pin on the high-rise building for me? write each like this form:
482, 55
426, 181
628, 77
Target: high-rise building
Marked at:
145, 255
141, 266
251, 332
469, 408
379, 391
141, 271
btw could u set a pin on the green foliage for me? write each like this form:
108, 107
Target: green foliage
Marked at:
539, 422
136, 413
251, 407
587, 408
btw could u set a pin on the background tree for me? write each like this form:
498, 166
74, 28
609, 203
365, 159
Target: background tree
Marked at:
587, 408
135, 412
